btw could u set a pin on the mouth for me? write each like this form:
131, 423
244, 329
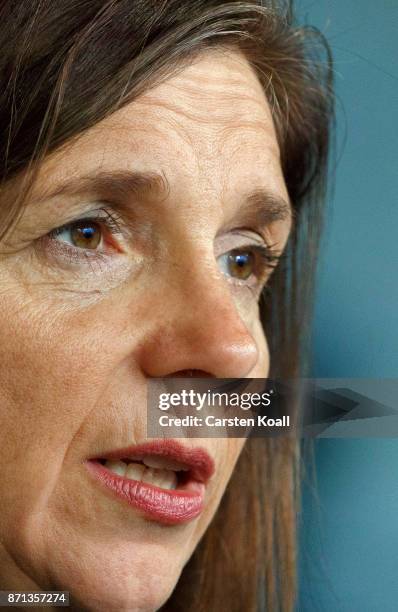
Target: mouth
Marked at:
164, 480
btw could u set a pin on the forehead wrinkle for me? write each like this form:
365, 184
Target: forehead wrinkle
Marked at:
218, 135
176, 110
211, 111
172, 122
156, 112
209, 102
233, 137
229, 90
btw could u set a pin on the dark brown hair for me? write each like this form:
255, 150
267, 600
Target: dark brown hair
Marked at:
66, 65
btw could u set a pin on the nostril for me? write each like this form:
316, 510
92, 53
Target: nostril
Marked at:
190, 374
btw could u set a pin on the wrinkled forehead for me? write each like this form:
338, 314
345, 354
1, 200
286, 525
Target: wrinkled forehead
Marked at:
212, 109
218, 91
207, 131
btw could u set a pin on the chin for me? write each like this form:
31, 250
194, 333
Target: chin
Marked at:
125, 597
126, 578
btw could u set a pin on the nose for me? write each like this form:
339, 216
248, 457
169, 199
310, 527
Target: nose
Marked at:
198, 329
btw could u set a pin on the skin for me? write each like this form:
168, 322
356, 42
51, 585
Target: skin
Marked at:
79, 340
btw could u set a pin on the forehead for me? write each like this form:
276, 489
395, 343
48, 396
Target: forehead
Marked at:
218, 94
210, 122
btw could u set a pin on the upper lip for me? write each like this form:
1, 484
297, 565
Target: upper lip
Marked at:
197, 460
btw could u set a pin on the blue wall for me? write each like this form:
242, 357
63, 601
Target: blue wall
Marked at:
349, 548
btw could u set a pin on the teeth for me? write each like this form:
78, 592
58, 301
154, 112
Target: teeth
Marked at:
150, 476
163, 478
169, 479
135, 471
162, 463
116, 466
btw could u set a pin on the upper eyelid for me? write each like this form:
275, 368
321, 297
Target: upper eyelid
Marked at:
239, 238
254, 233
109, 219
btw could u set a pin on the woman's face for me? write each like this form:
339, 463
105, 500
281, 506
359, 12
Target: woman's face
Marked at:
188, 206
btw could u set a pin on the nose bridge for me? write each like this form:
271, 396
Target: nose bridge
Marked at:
203, 298
198, 326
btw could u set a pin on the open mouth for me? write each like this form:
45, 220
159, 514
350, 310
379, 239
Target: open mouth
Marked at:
163, 479
157, 471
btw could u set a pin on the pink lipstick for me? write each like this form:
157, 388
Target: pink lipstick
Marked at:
163, 479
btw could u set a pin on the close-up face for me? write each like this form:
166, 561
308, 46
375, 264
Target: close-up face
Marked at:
142, 253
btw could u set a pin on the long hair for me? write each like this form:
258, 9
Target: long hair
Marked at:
64, 66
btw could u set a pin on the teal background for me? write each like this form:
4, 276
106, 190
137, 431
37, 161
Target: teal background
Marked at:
349, 521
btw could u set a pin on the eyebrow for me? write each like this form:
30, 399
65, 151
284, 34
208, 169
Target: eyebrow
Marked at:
117, 184
260, 207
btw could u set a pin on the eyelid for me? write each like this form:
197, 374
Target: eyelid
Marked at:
237, 239
111, 219
66, 252
266, 260
250, 234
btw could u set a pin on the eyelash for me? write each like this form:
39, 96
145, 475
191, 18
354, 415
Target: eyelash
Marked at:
266, 260
268, 257
111, 221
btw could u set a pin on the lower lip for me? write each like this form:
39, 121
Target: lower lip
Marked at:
170, 507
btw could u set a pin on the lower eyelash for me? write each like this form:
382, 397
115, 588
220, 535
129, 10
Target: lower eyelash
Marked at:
75, 256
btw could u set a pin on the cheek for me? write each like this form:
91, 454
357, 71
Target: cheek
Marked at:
51, 368
54, 370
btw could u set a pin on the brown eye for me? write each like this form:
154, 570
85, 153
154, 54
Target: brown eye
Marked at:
240, 264
85, 235
82, 234
89, 237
